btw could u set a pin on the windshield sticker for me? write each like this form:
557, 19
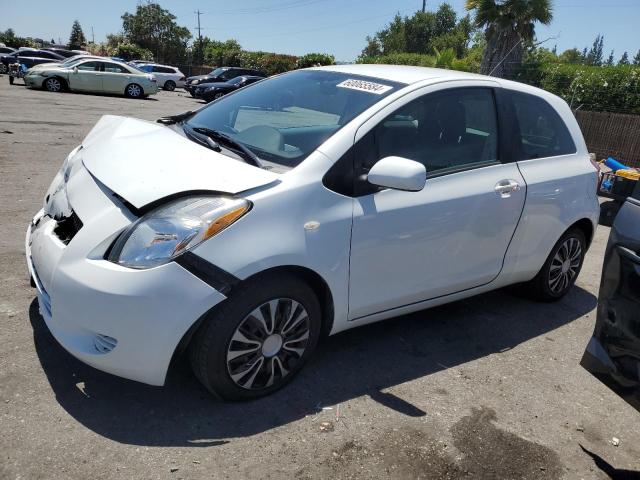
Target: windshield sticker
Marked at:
365, 86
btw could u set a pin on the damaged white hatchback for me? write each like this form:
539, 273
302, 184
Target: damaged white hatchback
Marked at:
301, 206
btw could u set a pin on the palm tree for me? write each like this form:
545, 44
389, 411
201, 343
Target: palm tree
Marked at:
508, 25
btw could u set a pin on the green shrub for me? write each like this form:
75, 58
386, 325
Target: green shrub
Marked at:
131, 51
315, 59
401, 59
594, 88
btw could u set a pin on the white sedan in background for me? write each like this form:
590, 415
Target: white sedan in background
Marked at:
168, 77
93, 75
311, 203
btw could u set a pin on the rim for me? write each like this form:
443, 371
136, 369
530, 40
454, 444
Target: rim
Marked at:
268, 344
218, 95
133, 90
53, 85
170, 86
565, 265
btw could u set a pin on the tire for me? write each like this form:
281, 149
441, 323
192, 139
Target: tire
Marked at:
560, 270
53, 84
3, 68
267, 363
10, 80
170, 85
133, 90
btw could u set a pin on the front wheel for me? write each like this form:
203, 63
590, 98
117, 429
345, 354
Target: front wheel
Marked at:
258, 339
561, 269
53, 84
170, 85
134, 90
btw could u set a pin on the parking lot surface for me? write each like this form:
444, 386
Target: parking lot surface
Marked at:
488, 387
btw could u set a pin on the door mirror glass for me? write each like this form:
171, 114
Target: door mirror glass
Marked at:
398, 173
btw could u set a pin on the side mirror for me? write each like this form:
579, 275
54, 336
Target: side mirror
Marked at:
75, 69
398, 173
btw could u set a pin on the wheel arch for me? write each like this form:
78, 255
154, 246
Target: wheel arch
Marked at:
63, 81
309, 276
586, 227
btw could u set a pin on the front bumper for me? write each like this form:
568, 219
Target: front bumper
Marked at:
122, 321
33, 81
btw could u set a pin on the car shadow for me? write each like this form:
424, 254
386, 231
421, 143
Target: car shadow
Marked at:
362, 361
612, 472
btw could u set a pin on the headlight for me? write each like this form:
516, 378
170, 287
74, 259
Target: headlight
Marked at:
165, 233
195, 82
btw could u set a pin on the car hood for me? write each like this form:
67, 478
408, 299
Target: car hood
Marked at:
144, 162
43, 66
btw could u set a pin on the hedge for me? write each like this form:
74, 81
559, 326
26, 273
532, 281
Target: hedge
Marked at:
611, 89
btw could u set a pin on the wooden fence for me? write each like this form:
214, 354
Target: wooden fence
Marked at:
611, 135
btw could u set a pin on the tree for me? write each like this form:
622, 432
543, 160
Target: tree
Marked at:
221, 54
572, 55
373, 48
609, 61
624, 60
636, 59
76, 39
422, 33
508, 24
154, 28
595, 55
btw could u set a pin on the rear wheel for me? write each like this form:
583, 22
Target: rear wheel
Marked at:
3, 68
53, 84
259, 339
134, 90
561, 269
170, 85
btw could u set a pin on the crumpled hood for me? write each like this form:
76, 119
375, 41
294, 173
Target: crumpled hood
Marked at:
144, 162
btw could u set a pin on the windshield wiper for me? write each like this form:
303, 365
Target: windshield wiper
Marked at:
236, 146
171, 119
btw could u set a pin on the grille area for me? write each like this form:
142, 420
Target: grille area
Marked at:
104, 343
67, 227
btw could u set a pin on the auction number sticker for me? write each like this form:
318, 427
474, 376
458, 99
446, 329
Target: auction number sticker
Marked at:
365, 86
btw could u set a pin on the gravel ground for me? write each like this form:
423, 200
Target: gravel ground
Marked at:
484, 388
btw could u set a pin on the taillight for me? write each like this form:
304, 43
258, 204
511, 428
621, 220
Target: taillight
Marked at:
594, 162
182, 79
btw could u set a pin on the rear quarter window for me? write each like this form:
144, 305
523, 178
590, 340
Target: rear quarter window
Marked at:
540, 132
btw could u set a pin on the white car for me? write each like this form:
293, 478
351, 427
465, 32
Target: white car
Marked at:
168, 77
313, 202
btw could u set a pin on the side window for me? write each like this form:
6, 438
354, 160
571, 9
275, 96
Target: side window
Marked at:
114, 68
542, 133
229, 74
452, 129
89, 66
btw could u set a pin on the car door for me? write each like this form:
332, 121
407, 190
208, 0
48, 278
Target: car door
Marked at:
160, 74
86, 77
115, 78
613, 353
408, 247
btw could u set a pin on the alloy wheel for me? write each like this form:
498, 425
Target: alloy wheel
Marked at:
133, 90
268, 344
53, 85
565, 265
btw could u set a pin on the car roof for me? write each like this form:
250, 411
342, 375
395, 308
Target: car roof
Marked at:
401, 73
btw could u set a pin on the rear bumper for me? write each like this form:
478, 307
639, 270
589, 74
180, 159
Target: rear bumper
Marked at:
122, 321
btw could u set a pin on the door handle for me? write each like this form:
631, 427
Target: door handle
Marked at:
505, 188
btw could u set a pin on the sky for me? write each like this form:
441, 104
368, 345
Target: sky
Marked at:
338, 27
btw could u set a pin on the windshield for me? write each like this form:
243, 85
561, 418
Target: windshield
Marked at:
73, 60
235, 81
285, 118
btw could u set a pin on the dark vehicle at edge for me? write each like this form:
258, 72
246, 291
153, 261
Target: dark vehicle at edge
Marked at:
209, 92
221, 74
29, 58
5, 51
613, 353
